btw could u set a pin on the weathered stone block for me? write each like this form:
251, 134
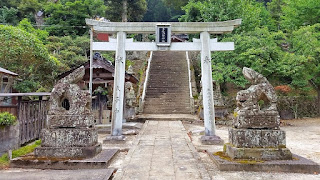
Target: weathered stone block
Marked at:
77, 121
68, 152
257, 138
257, 120
9, 138
258, 153
68, 137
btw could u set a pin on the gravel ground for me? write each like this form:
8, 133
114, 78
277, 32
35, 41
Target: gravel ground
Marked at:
303, 138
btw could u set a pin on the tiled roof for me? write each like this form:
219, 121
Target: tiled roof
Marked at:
7, 72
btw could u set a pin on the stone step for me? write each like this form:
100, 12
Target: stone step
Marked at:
154, 88
165, 109
167, 75
172, 67
164, 96
172, 77
167, 112
167, 117
166, 99
169, 80
168, 104
171, 84
166, 92
168, 85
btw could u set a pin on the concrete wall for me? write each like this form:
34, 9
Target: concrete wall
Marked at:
9, 138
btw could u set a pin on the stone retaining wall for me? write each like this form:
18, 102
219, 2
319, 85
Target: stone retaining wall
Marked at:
9, 138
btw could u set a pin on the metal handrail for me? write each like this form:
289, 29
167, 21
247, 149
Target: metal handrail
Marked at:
189, 74
190, 85
146, 80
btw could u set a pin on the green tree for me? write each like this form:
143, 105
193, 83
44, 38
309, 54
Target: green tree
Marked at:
297, 13
70, 51
303, 63
9, 15
275, 9
252, 13
25, 54
125, 10
26, 25
68, 17
157, 11
259, 50
30, 8
176, 4
9, 3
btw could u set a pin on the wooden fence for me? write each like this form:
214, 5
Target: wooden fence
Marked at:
11, 109
32, 118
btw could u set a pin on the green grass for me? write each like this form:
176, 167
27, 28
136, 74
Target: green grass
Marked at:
4, 159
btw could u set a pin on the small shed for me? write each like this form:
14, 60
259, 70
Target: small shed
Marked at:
7, 79
103, 73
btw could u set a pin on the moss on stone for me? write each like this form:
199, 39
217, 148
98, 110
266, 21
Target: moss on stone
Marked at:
223, 155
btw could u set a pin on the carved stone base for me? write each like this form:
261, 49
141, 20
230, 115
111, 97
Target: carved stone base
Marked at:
78, 121
69, 137
257, 138
258, 153
68, 152
211, 140
257, 119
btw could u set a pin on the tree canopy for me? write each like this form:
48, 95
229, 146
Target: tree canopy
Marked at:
253, 14
23, 53
68, 17
125, 10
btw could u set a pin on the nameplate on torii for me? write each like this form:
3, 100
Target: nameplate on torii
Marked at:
163, 35
130, 45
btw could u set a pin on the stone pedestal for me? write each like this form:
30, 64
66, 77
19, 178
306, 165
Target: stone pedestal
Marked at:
257, 144
70, 131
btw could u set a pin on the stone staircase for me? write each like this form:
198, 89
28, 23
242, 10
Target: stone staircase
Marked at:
168, 86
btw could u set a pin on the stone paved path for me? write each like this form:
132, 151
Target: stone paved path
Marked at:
162, 150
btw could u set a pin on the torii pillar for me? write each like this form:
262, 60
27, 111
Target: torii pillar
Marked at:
210, 136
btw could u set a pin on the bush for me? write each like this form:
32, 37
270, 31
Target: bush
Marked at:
7, 119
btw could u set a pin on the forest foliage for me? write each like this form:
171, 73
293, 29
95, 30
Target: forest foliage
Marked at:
278, 38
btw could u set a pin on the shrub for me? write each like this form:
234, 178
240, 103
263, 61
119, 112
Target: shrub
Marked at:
283, 89
7, 119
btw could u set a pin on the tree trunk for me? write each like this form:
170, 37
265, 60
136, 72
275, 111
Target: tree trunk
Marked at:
125, 11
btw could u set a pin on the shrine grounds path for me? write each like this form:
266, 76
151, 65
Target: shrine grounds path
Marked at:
172, 150
163, 150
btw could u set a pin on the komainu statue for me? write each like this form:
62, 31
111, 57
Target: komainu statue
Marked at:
70, 131
256, 130
257, 105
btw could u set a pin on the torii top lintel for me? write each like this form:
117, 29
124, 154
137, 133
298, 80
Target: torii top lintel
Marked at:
176, 27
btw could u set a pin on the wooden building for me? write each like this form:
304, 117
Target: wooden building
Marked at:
7, 79
103, 73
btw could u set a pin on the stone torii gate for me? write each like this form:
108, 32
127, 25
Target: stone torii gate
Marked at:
163, 32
